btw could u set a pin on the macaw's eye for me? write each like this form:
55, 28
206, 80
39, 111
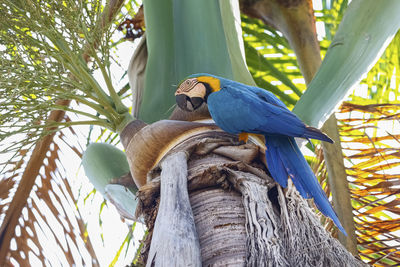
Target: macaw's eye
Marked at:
187, 85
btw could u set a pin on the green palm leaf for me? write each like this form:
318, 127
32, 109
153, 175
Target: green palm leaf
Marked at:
357, 45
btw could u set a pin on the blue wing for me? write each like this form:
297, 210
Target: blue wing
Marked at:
254, 110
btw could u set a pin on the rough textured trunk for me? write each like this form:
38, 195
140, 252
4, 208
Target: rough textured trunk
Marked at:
179, 235
241, 216
224, 221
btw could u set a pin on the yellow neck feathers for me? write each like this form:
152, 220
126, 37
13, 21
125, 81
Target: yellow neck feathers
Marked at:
214, 83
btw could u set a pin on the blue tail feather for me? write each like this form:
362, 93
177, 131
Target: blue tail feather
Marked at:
284, 159
314, 133
275, 164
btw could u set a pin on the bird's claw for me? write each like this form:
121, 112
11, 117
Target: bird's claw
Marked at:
243, 137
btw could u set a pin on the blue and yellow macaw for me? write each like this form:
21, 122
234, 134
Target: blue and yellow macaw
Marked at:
241, 109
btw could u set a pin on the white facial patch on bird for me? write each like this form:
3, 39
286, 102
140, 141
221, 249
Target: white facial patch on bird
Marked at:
186, 85
192, 89
191, 94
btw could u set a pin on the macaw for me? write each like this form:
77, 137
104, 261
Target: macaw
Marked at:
241, 109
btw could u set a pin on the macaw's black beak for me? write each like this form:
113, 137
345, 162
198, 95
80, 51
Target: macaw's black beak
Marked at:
188, 103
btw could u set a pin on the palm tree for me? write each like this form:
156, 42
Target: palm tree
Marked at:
216, 160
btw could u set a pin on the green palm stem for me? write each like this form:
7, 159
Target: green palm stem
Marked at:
112, 103
103, 98
297, 24
117, 111
120, 108
81, 73
63, 125
111, 107
80, 112
98, 108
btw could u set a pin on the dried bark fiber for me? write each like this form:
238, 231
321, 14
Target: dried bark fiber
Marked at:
174, 230
263, 225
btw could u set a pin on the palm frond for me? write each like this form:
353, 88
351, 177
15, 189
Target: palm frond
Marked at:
51, 230
373, 160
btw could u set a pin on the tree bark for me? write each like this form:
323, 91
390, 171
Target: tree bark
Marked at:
178, 237
242, 216
224, 221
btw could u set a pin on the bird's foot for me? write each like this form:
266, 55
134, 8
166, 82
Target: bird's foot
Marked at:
243, 137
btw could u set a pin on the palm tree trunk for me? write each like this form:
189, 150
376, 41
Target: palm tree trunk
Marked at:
241, 216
